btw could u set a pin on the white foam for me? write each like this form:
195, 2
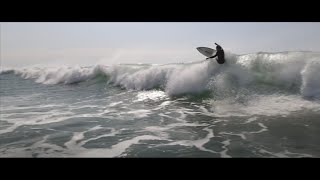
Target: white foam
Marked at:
251, 120
159, 131
115, 103
140, 113
47, 117
284, 154
241, 135
201, 142
116, 150
268, 105
9, 129
166, 103
224, 152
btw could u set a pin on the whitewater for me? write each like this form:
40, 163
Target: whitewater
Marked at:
255, 105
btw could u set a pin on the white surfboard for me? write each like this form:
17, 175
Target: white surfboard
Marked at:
206, 51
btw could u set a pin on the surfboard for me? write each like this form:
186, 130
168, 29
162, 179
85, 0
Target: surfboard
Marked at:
206, 51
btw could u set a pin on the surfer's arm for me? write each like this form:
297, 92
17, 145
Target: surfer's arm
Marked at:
212, 56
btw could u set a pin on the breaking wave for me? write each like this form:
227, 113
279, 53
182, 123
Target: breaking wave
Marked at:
294, 72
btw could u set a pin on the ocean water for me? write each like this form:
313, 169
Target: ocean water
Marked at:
255, 105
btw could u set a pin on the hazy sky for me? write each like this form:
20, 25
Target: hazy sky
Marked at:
24, 44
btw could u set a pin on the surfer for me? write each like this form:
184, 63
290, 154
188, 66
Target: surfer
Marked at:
219, 53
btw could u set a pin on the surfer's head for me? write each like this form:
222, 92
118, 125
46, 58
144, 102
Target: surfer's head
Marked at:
218, 47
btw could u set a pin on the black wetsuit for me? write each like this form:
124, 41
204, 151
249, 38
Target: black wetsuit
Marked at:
220, 54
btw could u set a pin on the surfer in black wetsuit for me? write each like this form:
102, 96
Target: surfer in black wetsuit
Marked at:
219, 53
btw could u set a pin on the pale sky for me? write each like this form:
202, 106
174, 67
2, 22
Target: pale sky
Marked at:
91, 43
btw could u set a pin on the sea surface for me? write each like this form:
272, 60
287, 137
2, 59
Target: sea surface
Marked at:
255, 105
